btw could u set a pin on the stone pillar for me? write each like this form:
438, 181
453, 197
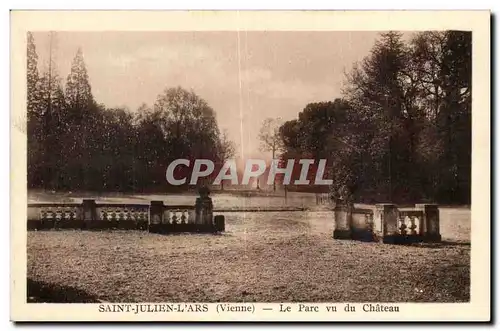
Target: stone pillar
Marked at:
204, 210
377, 226
387, 215
204, 207
89, 213
343, 219
430, 231
155, 216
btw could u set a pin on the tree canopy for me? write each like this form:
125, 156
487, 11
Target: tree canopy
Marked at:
401, 131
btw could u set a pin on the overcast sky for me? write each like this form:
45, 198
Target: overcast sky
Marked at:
245, 76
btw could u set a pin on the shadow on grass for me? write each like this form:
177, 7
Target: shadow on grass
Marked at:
201, 234
40, 292
442, 244
412, 241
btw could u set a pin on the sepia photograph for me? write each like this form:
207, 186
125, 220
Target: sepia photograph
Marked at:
183, 168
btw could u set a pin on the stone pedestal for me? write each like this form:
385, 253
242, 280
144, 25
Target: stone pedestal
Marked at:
156, 212
89, 213
155, 216
431, 231
343, 218
204, 211
220, 224
387, 215
204, 208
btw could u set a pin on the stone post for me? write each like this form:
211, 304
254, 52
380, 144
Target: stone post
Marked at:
430, 231
204, 207
343, 219
155, 216
387, 215
198, 208
219, 222
89, 213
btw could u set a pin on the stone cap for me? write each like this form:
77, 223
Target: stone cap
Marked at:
426, 205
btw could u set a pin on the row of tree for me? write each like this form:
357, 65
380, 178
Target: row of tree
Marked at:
76, 144
402, 130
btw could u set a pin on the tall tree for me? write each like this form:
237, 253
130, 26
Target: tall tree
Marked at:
226, 150
381, 92
455, 118
34, 129
32, 75
78, 90
82, 113
188, 124
321, 131
270, 138
442, 62
50, 106
152, 149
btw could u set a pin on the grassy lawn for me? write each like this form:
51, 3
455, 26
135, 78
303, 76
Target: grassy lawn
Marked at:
273, 257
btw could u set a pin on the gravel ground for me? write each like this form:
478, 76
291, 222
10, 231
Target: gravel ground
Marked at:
264, 257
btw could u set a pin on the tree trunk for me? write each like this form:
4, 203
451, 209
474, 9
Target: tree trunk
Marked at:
274, 181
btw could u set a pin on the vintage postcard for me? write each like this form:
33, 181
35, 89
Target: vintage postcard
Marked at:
250, 166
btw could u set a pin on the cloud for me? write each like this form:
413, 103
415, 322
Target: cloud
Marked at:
180, 54
262, 83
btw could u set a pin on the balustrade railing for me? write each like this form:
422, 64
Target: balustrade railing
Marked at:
410, 222
156, 217
388, 223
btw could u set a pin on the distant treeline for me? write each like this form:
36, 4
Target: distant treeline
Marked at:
402, 130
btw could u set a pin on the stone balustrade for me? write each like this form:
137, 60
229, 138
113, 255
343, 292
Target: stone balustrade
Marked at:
387, 223
155, 217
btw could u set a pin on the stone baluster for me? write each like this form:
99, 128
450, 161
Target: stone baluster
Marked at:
403, 227
413, 226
